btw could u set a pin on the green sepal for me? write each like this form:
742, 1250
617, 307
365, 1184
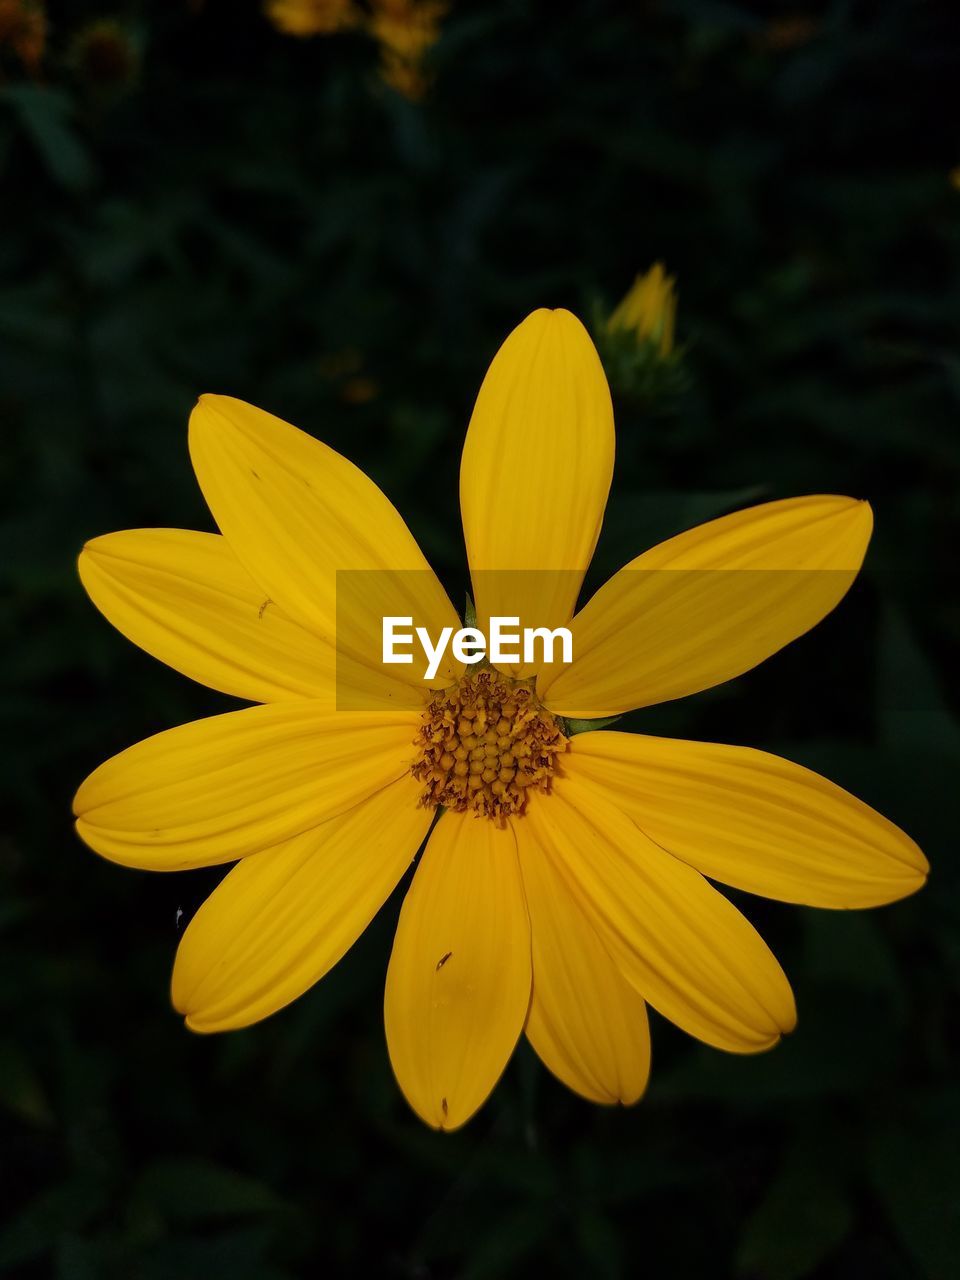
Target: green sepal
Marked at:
470, 613
588, 726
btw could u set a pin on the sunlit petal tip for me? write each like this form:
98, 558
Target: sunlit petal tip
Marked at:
214, 412
780, 1006
916, 874
196, 1026
630, 1098
194, 1021
184, 996
93, 552
789, 1023
83, 801
206, 400
213, 400
551, 322
91, 546
840, 526
857, 515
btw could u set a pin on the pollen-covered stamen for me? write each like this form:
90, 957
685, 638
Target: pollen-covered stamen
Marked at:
484, 744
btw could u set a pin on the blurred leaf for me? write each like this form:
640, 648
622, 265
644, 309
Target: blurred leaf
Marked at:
514, 1237
33, 1231
911, 707
240, 1254
20, 1089
849, 947
801, 1219
45, 115
916, 1172
187, 1190
79, 1259
599, 1244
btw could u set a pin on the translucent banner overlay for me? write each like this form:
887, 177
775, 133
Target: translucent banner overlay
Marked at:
646, 636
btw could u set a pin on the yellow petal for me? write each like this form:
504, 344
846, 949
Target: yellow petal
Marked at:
709, 604
221, 788
586, 1022
282, 918
458, 985
684, 947
185, 598
299, 517
536, 469
754, 820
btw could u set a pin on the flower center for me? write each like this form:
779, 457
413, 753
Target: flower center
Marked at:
484, 745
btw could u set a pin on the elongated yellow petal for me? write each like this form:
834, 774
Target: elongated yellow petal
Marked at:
458, 985
185, 598
219, 789
298, 515
586, 1022
754, 820
536, 469
684, 947
282, 918
709, 604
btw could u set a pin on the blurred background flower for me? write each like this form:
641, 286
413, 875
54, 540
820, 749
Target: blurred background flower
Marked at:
637, 342
105, 56
310, 17
648, 312
405, 31
23, 32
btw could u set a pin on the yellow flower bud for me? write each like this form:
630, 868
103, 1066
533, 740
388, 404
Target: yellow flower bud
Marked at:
310, 17
649, 311
405, 30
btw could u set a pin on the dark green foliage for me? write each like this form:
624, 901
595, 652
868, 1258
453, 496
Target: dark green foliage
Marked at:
258, 216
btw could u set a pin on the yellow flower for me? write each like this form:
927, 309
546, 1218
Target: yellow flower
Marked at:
105, 55
648, 311
789, 32
954, 178
310, 17
23, 27
567, 880
405, 31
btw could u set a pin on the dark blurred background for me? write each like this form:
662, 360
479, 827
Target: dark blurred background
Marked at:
341, 228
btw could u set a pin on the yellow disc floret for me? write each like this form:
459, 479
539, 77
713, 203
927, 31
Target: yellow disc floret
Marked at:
484, 745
